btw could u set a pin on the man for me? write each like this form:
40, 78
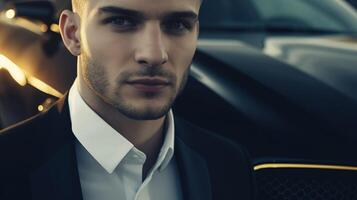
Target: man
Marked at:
114, 136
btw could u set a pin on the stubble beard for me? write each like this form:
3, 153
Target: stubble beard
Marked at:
96, 78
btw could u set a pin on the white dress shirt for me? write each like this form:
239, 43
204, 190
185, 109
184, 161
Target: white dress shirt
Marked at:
110, 167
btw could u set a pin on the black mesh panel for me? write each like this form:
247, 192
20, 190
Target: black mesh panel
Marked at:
306, 184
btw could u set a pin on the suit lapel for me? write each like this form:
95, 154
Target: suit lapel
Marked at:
194, 173
57, 175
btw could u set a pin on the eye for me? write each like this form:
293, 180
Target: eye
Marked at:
177, 26
121, 22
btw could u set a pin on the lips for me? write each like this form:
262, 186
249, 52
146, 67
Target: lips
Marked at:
149, 81
149, 85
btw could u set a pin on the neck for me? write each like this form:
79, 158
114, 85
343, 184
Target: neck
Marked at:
146, 135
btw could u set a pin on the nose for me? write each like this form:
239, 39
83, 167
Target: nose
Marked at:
151, 50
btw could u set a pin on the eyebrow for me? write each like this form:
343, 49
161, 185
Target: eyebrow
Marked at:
138, 14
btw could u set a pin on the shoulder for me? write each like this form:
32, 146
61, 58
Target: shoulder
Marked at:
15, 149
16, 141
207, 142
23, 143
218, 151
19, 133
24, 130
34, 127
228, 162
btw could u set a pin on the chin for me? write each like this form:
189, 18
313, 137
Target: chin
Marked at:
147, 114
143, 112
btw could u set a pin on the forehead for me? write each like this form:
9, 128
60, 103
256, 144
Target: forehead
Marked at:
148, 7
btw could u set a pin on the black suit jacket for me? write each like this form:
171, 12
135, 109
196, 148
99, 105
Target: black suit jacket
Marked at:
38, 161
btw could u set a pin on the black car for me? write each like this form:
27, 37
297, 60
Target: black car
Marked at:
277, 76
277, 79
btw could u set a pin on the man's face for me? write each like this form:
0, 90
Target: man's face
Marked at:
135, 54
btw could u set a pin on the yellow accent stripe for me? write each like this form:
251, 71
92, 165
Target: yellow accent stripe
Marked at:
303, 166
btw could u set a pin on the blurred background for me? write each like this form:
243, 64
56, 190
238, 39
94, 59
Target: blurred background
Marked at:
277, 76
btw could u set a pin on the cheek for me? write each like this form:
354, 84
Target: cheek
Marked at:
181, 56
107, 50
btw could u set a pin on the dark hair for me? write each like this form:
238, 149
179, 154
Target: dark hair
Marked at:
77, 5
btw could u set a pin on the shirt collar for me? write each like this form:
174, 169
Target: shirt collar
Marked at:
167, 149
104, 143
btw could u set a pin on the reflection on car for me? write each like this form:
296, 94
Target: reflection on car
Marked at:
352, 3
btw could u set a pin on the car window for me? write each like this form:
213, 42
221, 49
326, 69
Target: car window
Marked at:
228, 14
319, 14
326, 15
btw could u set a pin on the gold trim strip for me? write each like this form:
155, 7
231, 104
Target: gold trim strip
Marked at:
303, 166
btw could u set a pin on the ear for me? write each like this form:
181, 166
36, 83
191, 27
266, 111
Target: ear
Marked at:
69, 24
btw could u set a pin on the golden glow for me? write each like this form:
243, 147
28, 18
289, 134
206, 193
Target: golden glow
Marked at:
20, 77
29, 25
43, 28
33, 26
17, 74
303, 166
11, 13
55, 28
40, 108
43, 87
